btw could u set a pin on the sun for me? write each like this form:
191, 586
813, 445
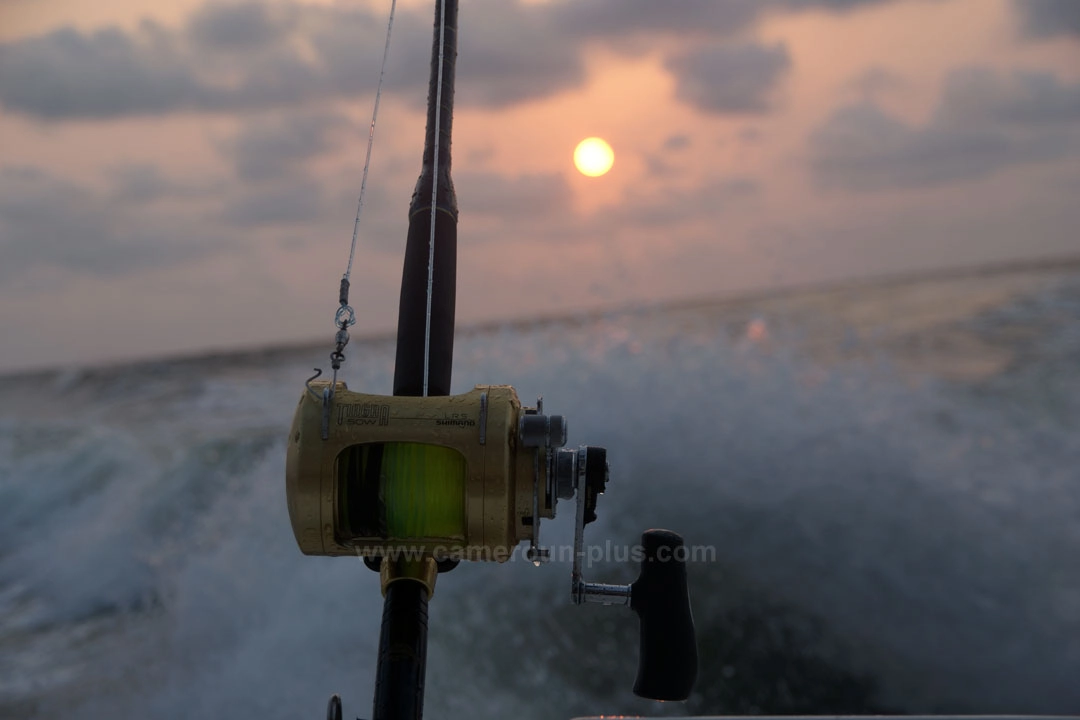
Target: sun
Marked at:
593, 157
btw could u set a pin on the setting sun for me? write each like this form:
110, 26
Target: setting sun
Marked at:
593, 157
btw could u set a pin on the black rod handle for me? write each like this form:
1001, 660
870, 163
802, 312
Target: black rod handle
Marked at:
399, 679
667, 666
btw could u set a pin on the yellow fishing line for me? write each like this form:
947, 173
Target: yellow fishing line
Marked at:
422, 488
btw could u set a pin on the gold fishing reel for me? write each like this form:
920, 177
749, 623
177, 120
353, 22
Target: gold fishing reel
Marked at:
458, 477
410, 482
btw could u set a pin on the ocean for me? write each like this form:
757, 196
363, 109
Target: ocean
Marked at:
888, 474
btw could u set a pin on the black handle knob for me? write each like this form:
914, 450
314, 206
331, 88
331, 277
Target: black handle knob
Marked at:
667, 667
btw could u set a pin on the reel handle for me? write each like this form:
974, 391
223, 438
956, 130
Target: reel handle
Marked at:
668, 661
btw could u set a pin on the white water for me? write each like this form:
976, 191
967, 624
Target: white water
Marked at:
896, 465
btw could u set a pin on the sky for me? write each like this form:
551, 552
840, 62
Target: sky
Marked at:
182, 175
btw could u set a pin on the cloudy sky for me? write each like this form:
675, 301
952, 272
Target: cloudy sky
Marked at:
182, 175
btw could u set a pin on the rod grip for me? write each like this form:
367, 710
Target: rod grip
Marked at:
667, 665
399, 679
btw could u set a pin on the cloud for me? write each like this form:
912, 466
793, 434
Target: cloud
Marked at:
839, 6
729, 78
144, 219
875, 81
677, 142
510, 53
269, 147
228, 58
612, 19
250, 56
863, 148
1026, 99
45, 221
658, 163
138, 183
143, 183
99, 75
291, 201
525, 197
715, 19
984, 122
248, 26
708, 201
1040, 19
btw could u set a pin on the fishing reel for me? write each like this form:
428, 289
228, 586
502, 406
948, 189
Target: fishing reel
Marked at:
415, 483
457, 477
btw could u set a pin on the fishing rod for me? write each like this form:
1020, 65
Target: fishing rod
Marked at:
417, 481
